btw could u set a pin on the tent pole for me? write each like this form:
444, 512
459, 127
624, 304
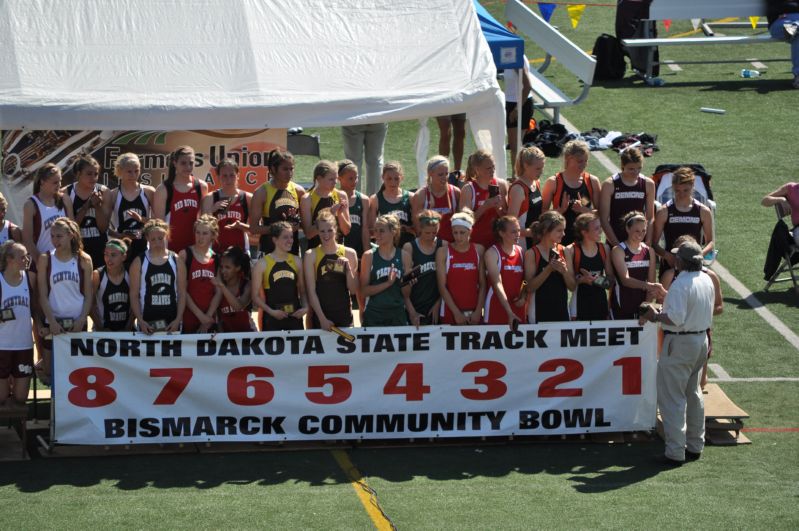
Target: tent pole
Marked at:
519, 105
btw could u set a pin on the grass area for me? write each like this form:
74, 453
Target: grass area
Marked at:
750, 151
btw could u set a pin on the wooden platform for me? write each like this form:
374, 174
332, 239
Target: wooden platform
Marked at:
10, 445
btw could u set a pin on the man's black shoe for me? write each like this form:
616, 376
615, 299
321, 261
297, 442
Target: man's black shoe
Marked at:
692, 456
667, 462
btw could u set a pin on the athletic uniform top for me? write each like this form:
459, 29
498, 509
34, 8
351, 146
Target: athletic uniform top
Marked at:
625, 301
531, 207
317, 204
113, 301
401, 209
444, 205
511, 272
483, 229
625, 199
584, 190
550, 300
122, 221
5, 232
462, 270
158, 291
199, 286
589, 302
16, 334
93, 239
280, 282
66, 295
389, 300
236, 320
331, 286
182, 211
43, 220
424, 294
237, 210
281, 204
679, 223
354, 239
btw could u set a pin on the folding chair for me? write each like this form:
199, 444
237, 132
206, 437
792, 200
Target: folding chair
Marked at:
790, 258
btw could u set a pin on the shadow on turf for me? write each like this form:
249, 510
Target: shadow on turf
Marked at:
760, 85
785, 297
590, 467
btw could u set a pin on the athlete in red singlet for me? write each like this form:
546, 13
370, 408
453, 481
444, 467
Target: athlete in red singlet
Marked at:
177, 199
231, 207
233, 282
459, 269
203, 296
438, 195
505, 300
485, 195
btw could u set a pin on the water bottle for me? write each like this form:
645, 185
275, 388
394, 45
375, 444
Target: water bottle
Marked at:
749, 73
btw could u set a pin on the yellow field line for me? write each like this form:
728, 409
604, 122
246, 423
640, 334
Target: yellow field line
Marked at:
365, 493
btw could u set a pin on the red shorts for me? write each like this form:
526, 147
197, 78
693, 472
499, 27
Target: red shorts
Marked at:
16, 363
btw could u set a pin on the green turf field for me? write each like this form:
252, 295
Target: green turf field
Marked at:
750, 151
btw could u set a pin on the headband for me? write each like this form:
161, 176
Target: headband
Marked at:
430, 220
120, 246
436, 163
460, 222
633, 219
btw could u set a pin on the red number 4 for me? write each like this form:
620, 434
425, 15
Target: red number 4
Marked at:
414, 388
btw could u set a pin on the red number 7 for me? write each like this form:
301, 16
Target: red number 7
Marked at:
178, 380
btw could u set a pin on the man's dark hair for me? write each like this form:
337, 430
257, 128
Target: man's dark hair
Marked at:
689, 265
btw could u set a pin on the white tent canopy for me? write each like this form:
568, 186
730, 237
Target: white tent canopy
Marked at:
245, 64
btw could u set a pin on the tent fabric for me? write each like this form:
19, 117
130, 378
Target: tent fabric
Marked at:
244, 64
507, 48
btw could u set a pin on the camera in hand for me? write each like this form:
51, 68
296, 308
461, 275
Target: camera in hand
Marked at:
601, 281
553, 255
493, 190
410, 276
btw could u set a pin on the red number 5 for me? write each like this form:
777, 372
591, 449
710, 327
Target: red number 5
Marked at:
341, 388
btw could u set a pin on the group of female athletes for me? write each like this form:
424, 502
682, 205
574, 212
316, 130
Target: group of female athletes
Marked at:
178, 258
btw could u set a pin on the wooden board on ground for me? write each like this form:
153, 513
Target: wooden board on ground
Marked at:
719, 406
723, 424
726, 438
11, 445
117, 450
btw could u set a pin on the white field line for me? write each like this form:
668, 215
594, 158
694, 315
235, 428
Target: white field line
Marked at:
674, 67
722, 271
757, 64
724, 376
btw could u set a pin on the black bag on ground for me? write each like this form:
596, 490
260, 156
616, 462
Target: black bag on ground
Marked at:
609, 55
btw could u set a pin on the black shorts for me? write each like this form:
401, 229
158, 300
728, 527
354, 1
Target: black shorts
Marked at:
527, 112
16, 363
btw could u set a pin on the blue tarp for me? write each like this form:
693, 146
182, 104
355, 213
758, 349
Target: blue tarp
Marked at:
506, 47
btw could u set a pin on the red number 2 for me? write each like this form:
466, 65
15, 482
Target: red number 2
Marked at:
178, 380
100, 386
572, 369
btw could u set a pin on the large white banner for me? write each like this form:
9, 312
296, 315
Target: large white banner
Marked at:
563, 378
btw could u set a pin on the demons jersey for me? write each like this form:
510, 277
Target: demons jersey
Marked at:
531, 208
182, 210
113, 301
625, 301
462, 270
679, 223
236, 210
625, 199
584, 193
550, 300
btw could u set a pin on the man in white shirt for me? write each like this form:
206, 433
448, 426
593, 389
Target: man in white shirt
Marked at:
687, 314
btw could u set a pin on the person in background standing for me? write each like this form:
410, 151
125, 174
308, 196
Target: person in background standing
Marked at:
783, 24
452, 129
366, 141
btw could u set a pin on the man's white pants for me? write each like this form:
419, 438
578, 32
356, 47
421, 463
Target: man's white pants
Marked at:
368, 140
680, 401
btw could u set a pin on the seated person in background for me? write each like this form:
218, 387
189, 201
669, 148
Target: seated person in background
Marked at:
625, 192
457, 265
278, 287
438, 195
381, 272
572, 191
634, 266
590, 260
233, 282
718, 303
787, 194
548, 273
421, 253
330, 276
681, 215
